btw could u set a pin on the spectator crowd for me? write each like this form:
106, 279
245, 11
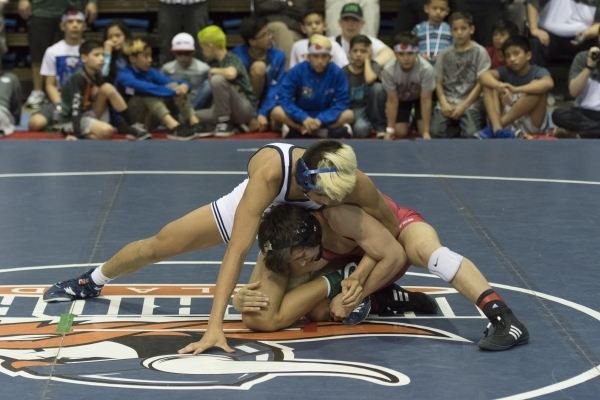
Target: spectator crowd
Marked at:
458, 68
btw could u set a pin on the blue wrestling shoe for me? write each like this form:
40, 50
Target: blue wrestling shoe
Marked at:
505, 134
359, 314
74, 289
485, 133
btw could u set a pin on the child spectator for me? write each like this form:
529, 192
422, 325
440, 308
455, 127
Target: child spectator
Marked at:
372, 16
409, 81
515, 94
457, 71
313, 24
367, 98
351, 21
115, 35
59, 62
234, 100
501, 30
188, 68
313, 97
85, 98
434, 34
10, 102
265, 65
148, 91
583, 119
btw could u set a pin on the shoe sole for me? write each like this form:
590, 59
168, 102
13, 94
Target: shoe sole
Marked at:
175, 137
133, 137
205, 134
483, 345
58, 299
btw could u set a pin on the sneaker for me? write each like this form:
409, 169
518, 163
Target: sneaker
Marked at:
35, 99
181, 132
562, 133
485, 133
508, 332
380, 135
359, 314
394, 298
505, 134
73, 289
203, 130
290, 133
137, 131
342, 132
224, 129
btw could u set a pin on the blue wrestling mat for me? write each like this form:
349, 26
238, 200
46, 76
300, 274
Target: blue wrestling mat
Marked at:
526, 212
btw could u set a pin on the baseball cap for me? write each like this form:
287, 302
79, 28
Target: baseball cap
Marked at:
352, 10
183, 42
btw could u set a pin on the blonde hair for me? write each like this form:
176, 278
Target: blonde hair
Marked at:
329, 154
134, 47
320, 40
213, 35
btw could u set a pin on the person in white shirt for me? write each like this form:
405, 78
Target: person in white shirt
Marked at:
561, 28
371, 7
313, 23
352, 21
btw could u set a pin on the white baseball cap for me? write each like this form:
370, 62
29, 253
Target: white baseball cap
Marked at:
183, 42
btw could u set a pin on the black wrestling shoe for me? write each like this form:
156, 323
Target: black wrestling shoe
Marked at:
508, 332
137, 131
181, 132
393, 298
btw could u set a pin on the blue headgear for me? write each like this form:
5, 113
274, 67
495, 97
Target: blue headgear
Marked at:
304, 176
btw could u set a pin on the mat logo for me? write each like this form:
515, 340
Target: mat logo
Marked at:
141, 351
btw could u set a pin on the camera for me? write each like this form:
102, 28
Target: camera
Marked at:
594, 55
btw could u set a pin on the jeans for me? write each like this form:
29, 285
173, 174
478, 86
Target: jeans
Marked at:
582, 121
372, 115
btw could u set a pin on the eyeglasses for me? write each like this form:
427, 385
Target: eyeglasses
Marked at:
264, 35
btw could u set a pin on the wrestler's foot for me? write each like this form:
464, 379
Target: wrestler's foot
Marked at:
395, 298
359, 314
73, 289
508, 332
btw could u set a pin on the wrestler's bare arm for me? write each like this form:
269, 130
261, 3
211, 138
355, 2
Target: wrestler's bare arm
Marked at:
366, 195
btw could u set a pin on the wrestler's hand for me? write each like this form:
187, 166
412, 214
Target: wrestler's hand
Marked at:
351, 292
249, 299
336, 310
213, 337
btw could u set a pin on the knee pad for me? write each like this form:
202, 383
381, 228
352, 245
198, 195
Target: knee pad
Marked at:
444, 263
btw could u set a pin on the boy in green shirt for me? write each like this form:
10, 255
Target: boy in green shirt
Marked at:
233, 97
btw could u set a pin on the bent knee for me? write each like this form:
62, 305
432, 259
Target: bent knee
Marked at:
258, 68
257, 323
37, 123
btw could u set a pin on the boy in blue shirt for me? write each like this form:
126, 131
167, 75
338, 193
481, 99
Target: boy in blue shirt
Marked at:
434, 34
265, 65
515, 94
313, 98
147, 90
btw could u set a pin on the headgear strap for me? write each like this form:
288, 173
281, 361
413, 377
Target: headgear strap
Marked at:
318, 49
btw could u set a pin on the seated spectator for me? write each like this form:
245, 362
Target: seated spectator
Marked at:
434, 34
371, 7
265, 65
484, 13
313, 97
515, 94
44, 21
85, 98
502, 30
351, 21
583, 119
60, 61
187, 68
313, 24
457, 71
561, 29
175, 16
234, 100
115, 35
10, 102
409, 82
367, 98
150, 93
3, 47
410, 13
285, 20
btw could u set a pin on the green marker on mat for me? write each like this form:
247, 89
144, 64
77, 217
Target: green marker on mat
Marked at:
64, 325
